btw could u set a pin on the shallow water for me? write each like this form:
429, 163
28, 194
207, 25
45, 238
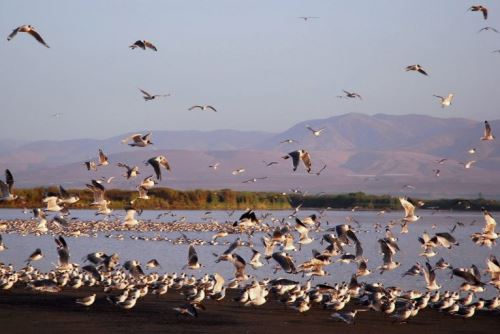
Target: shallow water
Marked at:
173, 257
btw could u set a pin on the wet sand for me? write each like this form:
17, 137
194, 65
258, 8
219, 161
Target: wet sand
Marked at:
22, 311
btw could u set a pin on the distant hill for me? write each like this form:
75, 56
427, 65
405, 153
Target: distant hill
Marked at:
376, 154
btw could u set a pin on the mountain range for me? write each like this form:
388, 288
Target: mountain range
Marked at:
376, 154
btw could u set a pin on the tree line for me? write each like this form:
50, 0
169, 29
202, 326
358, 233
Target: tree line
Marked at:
227, 199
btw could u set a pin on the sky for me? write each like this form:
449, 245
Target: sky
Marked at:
255, 61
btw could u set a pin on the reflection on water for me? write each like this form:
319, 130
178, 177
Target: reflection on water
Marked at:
173, 257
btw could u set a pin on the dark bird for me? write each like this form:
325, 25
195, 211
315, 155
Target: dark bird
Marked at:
143, 45
157, 163
417, 68
479, 8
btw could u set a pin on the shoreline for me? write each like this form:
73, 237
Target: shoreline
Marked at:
23, 311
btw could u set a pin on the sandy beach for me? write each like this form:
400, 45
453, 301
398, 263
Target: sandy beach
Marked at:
22, 311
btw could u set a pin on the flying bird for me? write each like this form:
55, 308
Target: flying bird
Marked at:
157, 163
409, 210
468, 164
103, 159
479, 8
305, 18
6, 188
350, 95
487, 132
203, 107
297, 156
488, 29
238, 171
316, 133
139, 140
193, 262
417, 68
143, 45
445, 101
30, 30
288, 141
149, 97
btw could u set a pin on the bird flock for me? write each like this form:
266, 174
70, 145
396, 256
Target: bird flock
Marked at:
272, 242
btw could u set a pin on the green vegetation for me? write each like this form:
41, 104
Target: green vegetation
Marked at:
168, 199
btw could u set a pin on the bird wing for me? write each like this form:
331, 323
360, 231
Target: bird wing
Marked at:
295, 159
102, 157
145, 93
310, 129
9, 179
156, 166
150, 45
212, 108
138, 43
490, 223
37, 37
133, 137
487, 129
283, 262
422, 71
194, 107
192, 256
306, 159
63, 193
4, 188
164, 163
13, 33
409, 208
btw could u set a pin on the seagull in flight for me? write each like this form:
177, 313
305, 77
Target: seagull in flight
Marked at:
315, 132
305, 18
30, 30
139, 140
149, 97
6, 188
350, 95
479, 8
157, 163
445, 101
297, 156
255, 179
488, 29
468, 164
214, 166
203, 107
143, 45
417, 68
238, 171
288, 141
487, 132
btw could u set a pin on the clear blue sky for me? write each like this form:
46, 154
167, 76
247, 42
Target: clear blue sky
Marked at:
261, 66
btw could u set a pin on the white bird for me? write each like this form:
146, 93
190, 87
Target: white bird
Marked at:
468, 164
103, 159
238, 171
487, 132
30, 30
193, 262
131, 171
445, 101
214, 166
86, 301
203, 107
139, 140
6, 188
129, 220
409, 210
316, 133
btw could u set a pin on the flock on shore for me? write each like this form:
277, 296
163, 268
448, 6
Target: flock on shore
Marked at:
272, 241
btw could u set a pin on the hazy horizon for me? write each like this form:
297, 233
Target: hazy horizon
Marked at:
263, 68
